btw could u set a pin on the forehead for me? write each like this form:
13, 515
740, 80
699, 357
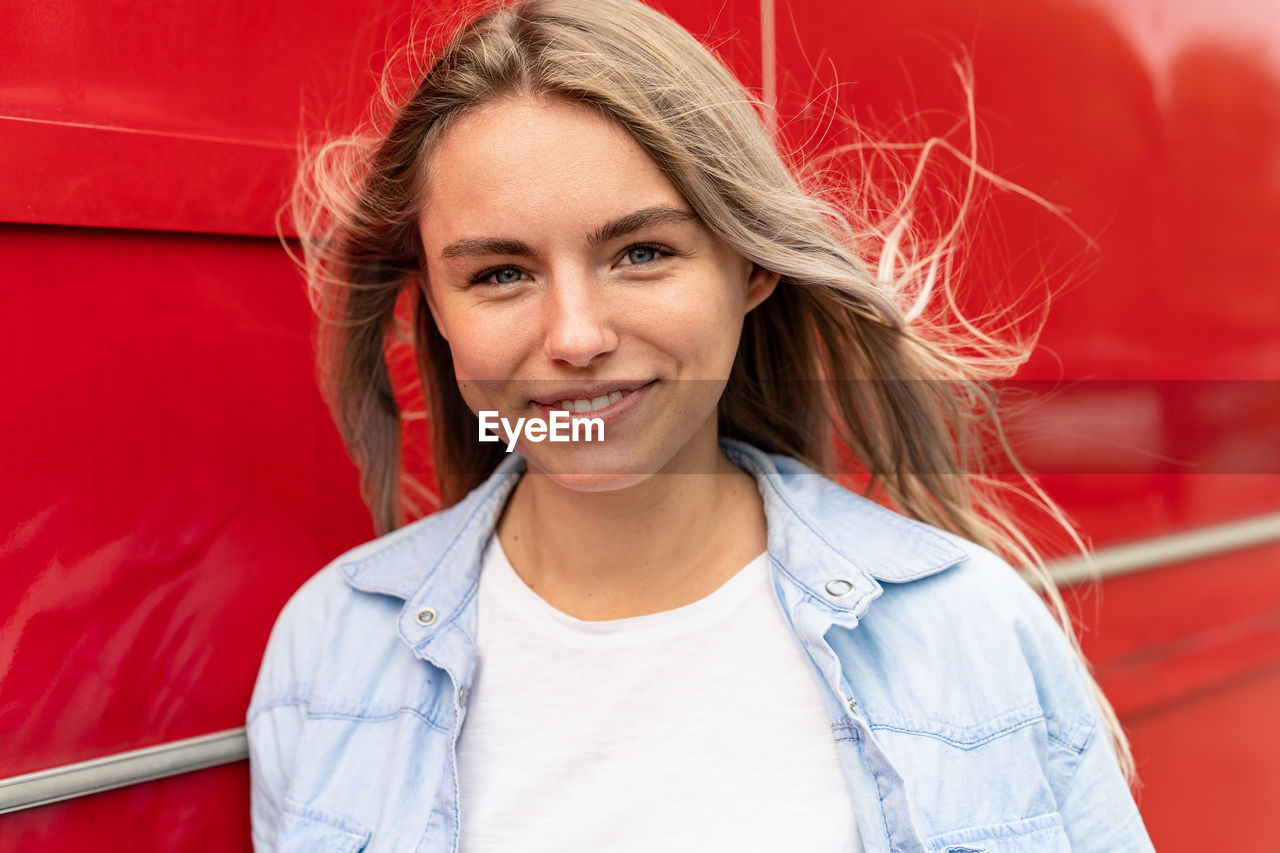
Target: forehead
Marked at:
521, 162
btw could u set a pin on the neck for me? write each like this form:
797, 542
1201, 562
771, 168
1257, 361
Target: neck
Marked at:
664, 542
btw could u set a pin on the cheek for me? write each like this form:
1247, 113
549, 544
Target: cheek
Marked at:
703, 322
486, 348
479, 368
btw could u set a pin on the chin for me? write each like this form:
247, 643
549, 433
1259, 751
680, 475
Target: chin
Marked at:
597, 469
603, 482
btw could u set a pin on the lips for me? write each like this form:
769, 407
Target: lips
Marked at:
590, 394
611, 401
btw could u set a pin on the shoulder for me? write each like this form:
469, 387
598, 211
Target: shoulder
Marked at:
980, 588
311, 635
965, 674
949, 639
337, 632
939, 610
335, 678
981, 652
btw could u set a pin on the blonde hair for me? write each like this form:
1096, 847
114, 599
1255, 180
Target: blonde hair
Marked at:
860, 347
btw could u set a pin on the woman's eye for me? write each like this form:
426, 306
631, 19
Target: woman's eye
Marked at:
637, 255
501, 275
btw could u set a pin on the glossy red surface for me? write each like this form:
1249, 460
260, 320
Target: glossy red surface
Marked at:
1209, 767
1157, 128
176, 479
185, 118
1190, 658
171, 475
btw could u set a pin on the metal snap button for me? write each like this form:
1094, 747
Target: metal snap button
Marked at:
426, 616
839, 587
462, 695
853, 705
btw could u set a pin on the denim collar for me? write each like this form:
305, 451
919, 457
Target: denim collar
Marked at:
831, 547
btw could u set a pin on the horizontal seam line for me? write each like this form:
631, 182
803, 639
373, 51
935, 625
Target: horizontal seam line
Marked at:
312, 713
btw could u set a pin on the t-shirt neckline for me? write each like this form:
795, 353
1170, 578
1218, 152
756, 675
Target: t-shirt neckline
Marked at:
711, 607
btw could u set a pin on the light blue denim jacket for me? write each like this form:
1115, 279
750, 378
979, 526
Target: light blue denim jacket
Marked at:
961, 717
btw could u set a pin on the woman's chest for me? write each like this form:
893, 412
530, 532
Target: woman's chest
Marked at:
674, 750
674, 734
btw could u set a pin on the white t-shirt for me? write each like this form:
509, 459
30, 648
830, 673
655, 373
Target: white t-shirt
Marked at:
699, 728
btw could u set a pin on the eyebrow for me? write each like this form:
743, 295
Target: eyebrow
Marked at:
471, 246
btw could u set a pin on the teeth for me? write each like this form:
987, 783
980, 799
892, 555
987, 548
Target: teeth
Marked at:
595, 405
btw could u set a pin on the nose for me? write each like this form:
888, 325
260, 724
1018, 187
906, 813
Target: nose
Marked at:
577, 324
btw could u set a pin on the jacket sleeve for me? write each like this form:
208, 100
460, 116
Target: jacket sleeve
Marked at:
1098, 811
275, 719
272, 740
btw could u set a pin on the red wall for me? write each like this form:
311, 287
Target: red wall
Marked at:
171, 474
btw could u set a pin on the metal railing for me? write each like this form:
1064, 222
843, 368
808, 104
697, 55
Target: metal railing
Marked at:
121, 769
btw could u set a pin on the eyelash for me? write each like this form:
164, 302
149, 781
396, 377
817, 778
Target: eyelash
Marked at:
661, 250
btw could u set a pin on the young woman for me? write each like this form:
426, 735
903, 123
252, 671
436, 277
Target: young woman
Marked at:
681, 636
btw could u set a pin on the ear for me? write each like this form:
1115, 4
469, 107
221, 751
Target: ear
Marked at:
424, 285
760, 284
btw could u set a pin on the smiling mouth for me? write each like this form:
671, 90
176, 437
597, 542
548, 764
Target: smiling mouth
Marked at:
588, 404
606, 404
593, 405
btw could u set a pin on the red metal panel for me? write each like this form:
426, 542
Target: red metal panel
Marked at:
179, 118
183, 118
1155, 639
63, 174
171, 477
1157, 135
1209, 767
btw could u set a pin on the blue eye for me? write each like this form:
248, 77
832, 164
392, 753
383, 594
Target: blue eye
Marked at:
644, 253
498, 275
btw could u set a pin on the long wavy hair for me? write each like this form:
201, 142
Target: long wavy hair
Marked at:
859, 357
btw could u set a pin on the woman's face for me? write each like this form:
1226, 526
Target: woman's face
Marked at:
563, 267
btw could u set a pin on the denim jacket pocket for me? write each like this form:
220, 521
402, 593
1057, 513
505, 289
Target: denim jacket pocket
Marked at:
1040, 834
304, 830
